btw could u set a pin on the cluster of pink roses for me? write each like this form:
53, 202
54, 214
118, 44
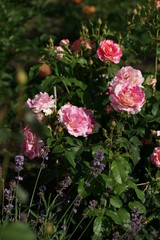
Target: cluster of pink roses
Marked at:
77, 121
125, 90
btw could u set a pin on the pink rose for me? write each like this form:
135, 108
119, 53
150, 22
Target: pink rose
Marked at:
157, 3
42, 102
109, 109
32, 144
58, 51
64, 42
77, 121
129, 76
82, 44
129, 99
109, 51
155, 157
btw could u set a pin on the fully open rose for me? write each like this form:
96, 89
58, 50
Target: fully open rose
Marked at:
32, 144
109, 51
77, 120
42, 103
129, 76
129, 99
155, 156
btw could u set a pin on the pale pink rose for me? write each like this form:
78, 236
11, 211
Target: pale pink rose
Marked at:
58, 51
129, 99
157, 3
31, 144
153, 82
109, 51
158, 133
77, 121
155, 157
82, 44
128, 76
42, 102
64, 42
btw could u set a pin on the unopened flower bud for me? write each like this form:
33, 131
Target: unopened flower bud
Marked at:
49, 229
99, 21
154, 132
21, 77
90, 62
113, 123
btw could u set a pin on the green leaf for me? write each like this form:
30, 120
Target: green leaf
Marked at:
135, 154
137, 204
124, 216
82, 61
135, 140
58, 149
97, 226
120, 169
116, 202
155, 108
81, 188
71, 158
33, 72
119, 188
108, 181
140, 194
114, 217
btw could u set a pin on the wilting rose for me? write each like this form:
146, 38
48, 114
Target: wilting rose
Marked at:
128, 76
129, 99
58, 50
77, 120
64, 42
109, 51
157, 3
155, 157
31, 144
88, 9
42, 102
82, 44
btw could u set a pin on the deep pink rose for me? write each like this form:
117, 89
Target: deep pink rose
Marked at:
64, 42
82, 44
128, 76
155, 157
58, 51
109, 51
77, 121
157, 3
32, 144
129, 99
42, 102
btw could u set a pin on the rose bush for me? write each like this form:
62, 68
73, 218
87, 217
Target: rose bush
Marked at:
103, 185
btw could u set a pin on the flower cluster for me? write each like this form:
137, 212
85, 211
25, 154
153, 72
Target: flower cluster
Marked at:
125, 91
64, 185
82, 44
92, 204
77, 203
19, 161
98, 166
155, 157
77, 121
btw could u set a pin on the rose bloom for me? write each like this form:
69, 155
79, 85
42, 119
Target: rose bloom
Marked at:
42, 102
129, 76
155, 157
88, 9
81, 44
153, 82
64, 42
32, 144
77, 120
157, 3
58, 51
129, 99
109, 51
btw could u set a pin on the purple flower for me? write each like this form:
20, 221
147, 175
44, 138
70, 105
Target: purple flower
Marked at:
44, 152
64, 185
64, 227
19, 161
98, 166
92, 204
77, 203
8, 194
116, 236
8, 208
